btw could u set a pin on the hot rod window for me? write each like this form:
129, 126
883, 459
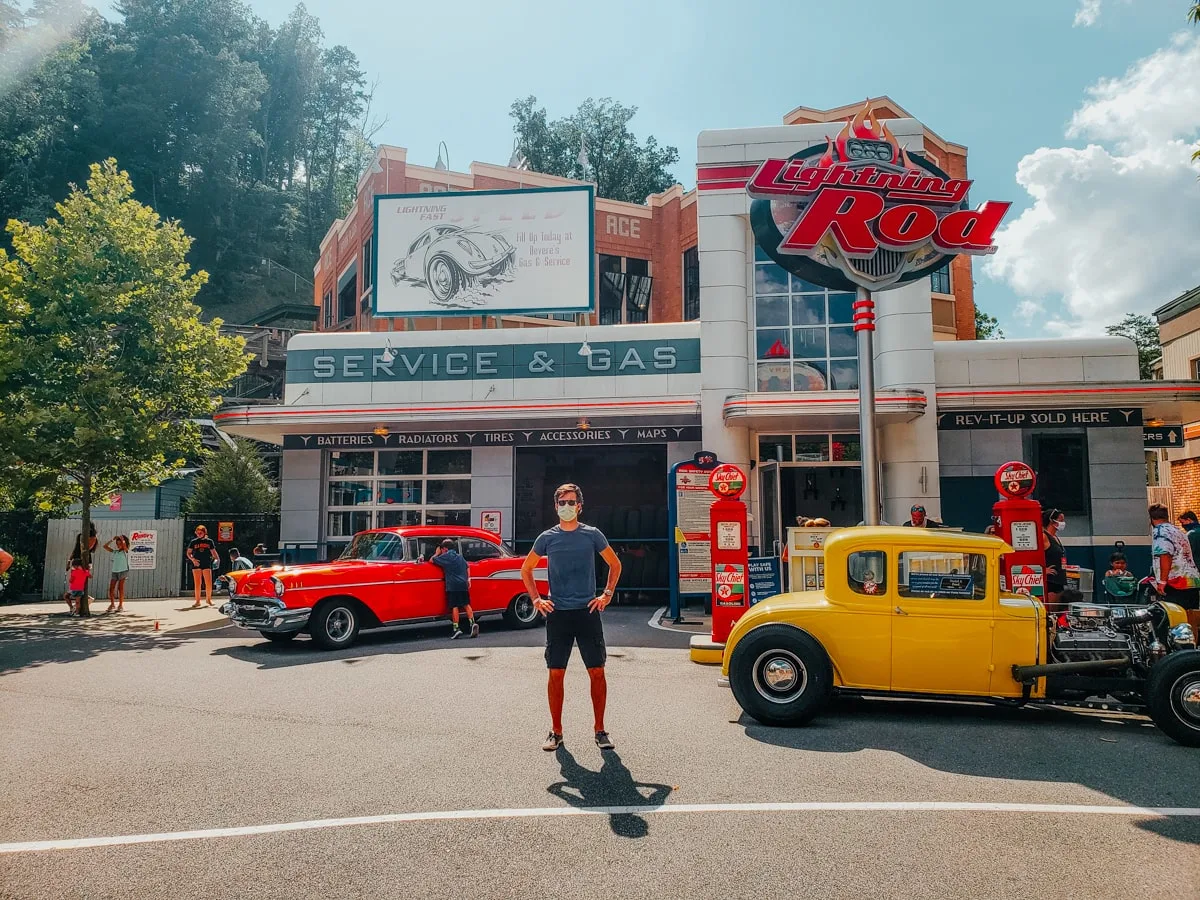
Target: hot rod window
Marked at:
867, 572
943, 575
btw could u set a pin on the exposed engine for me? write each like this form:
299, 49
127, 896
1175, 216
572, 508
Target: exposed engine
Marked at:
1088, 631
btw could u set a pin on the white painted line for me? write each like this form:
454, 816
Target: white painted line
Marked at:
655, 620
1061, 809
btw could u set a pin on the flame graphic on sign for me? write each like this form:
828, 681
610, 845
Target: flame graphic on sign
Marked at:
864, 125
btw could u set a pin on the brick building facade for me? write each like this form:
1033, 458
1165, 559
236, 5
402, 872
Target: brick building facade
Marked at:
656, 240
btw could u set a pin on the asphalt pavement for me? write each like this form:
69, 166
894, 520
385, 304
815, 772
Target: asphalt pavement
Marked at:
435, 746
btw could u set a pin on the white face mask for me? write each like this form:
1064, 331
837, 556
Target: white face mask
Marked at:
568, 513
1062, 525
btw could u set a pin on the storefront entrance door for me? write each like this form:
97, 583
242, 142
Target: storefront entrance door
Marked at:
772, 527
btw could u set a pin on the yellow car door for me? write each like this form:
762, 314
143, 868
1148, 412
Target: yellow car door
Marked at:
942, 623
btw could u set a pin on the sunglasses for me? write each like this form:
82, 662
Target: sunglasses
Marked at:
566, 502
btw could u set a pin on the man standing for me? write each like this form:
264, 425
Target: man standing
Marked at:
1190, 525
238, 562
1175, 574
458, 586
573, 610
918, 519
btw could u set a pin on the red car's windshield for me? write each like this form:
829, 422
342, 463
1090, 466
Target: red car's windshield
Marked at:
375, 545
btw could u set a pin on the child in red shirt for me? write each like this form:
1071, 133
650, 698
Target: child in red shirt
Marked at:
76, 584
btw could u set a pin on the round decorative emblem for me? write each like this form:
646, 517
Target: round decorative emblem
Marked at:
727, 481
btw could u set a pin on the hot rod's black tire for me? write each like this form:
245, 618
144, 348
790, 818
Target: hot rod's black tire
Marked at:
1173, 696
334, 624
781, 675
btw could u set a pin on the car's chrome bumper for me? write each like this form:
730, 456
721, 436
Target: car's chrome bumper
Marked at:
265, 614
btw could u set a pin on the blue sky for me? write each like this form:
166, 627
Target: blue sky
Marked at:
1003, 78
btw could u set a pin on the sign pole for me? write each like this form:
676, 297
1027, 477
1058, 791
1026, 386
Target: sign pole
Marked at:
864, 326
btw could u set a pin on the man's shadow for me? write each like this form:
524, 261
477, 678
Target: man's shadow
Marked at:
612, 789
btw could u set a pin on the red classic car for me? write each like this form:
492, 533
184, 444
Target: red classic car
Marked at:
383, 578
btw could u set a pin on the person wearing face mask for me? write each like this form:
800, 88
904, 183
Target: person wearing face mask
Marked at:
1053, 522
573, 610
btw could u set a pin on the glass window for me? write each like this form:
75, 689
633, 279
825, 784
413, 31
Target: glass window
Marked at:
367, 272
691, 284
459, 517
943, 575
811, 375
773, 343
841, 309
939, 281
847, 448
394, 518
405, 493
800, 286
812, 448
612, 291
349, 493
449, 462
400, 462
770, 279
774, 448
808, 309
347, 524
424, 548
448, 492
348, 298
638, 284
351, 463
842, 342
866, 571
771, 311
775, 375
474, 549
327, 307
844, 374
809, 343
375, 545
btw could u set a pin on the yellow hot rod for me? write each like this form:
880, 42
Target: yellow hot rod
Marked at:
923, 613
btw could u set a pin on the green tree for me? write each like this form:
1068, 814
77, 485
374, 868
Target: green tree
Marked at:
108, 361
621, 167
234, 480
1143, 331
987, 327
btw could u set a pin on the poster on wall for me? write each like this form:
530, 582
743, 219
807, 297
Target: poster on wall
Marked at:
484, 252
143, 549
489, 520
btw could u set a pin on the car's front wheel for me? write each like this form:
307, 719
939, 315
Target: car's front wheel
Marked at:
442, 276
334, 624
521, 614
279, 637
1173, 696
780, 675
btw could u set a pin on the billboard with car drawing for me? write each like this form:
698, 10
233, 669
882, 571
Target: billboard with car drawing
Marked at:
484, 252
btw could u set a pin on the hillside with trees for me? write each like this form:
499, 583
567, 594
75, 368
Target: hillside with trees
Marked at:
251, 135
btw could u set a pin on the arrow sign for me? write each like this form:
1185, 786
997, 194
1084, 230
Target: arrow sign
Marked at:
1160, 436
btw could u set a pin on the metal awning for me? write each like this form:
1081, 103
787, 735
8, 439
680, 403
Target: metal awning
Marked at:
271, 423
800, 411
1171, 402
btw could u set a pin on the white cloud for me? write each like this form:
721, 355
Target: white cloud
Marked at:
1112, 226
1028, 310
1087, 14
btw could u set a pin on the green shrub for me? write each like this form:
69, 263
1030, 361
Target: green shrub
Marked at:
21, 578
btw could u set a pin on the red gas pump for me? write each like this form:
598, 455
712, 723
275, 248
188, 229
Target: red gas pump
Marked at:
1019, 522
727, 531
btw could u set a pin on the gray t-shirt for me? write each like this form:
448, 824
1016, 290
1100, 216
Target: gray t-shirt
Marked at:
571, 559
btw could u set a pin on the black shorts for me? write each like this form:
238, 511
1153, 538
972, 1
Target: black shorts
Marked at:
458, 599
566, 627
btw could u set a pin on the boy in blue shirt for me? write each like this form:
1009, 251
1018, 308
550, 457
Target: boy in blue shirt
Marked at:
458, 586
